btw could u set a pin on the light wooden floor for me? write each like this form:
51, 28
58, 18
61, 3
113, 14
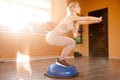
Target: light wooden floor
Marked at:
89, 69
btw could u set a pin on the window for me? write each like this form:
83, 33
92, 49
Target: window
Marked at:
15, 15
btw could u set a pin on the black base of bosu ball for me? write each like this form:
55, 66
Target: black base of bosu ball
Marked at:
62, 72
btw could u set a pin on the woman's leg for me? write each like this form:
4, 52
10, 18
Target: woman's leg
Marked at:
59, 40
68, 44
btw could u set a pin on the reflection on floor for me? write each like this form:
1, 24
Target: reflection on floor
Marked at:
89, 69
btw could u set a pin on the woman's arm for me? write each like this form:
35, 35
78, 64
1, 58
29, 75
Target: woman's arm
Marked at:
75, 30
86, 18
88, 22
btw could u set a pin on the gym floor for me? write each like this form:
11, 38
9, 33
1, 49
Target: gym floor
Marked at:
88, 68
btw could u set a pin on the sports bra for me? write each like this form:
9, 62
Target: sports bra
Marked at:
64, 27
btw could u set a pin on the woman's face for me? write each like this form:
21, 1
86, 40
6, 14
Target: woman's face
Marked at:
77, 9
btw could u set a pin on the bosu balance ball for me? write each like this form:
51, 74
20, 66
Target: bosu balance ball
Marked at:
58, 71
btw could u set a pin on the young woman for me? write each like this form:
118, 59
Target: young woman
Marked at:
56, 36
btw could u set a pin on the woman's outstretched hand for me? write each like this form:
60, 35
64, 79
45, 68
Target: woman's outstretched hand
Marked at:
100, 19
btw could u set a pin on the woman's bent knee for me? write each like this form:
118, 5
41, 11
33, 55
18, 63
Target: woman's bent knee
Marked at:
72, 43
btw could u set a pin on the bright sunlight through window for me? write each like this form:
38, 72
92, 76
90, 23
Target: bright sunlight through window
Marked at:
16, 14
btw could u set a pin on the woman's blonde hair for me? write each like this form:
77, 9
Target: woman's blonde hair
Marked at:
69, 7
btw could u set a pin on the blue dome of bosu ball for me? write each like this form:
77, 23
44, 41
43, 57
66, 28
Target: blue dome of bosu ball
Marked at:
58, 71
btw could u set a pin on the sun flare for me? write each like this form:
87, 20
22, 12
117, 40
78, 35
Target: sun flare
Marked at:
16, 14
23, 64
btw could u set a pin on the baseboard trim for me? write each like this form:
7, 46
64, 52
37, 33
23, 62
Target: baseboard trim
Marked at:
32, 58
114, 57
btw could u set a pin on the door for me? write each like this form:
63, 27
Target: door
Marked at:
98, 34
